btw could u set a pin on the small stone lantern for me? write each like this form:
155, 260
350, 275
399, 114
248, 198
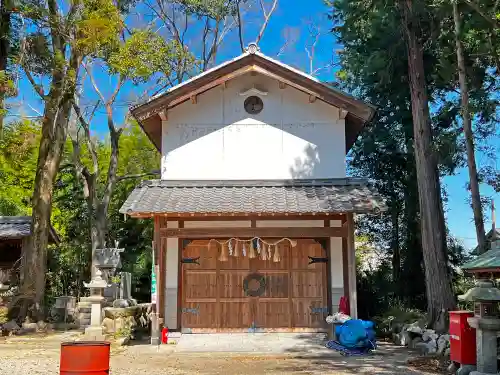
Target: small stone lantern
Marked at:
94, 332
486, 321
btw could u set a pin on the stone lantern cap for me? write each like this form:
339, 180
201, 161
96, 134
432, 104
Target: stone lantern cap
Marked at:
484, 291
97, 282
108, 257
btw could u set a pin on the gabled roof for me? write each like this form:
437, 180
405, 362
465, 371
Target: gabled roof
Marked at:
357, 112
488, 261
18, 227
336, 195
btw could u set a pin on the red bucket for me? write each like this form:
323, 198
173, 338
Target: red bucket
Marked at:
85, 358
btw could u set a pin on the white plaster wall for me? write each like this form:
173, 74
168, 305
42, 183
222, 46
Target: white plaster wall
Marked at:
336, 272
172, 279
217, 139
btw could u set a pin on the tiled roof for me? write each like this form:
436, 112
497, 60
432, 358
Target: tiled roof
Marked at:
254, 196
487, 261
14, 227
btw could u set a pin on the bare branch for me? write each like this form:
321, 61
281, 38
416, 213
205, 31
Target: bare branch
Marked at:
267, 17
40, 114
88, 139
240, 28
138, 175
213, 49
38, 88
117, 89
315, 33
94, 84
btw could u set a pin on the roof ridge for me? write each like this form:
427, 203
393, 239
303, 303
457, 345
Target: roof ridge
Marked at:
340, 181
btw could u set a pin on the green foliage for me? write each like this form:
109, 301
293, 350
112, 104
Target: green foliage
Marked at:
69, 264
123, 332
4, 312
100, 27
144, 54
215, 9
395, 317
7, 87
18, 158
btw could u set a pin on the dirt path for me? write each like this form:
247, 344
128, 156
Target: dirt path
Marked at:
41, 356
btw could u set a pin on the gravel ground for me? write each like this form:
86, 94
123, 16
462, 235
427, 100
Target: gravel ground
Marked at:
41, 356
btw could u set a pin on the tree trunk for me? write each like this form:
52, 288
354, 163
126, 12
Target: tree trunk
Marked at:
469, 137
100, 220
438, 284
54, 131
396, 255
52, 141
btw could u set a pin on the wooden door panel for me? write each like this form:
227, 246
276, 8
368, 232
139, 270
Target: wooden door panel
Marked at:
200, 284
199, 315
302, 252
273, 314
269, 264
276, 284
308, 283
231, 284
199, 249
235, 314
309, 313
235, 263
213, 295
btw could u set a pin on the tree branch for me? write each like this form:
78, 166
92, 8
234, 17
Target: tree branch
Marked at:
94, 84
240, 27
267, 16
38, 88
88, 139
489, 19
138, 175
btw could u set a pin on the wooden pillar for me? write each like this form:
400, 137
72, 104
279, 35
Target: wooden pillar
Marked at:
159, 259
155, 320
351, 264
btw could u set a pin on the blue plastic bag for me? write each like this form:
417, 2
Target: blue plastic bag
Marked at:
356, 333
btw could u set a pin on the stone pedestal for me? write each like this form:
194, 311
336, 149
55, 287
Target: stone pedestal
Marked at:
94, 332
486, 344
155, 329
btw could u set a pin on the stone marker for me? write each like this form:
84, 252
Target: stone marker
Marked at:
126, 285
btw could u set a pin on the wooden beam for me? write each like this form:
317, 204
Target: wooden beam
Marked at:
312, 98
163, 115
282, 85
201, 233
210, 85
342, 114
351, 263
194, 99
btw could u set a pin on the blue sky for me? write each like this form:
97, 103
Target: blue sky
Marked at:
290, 23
